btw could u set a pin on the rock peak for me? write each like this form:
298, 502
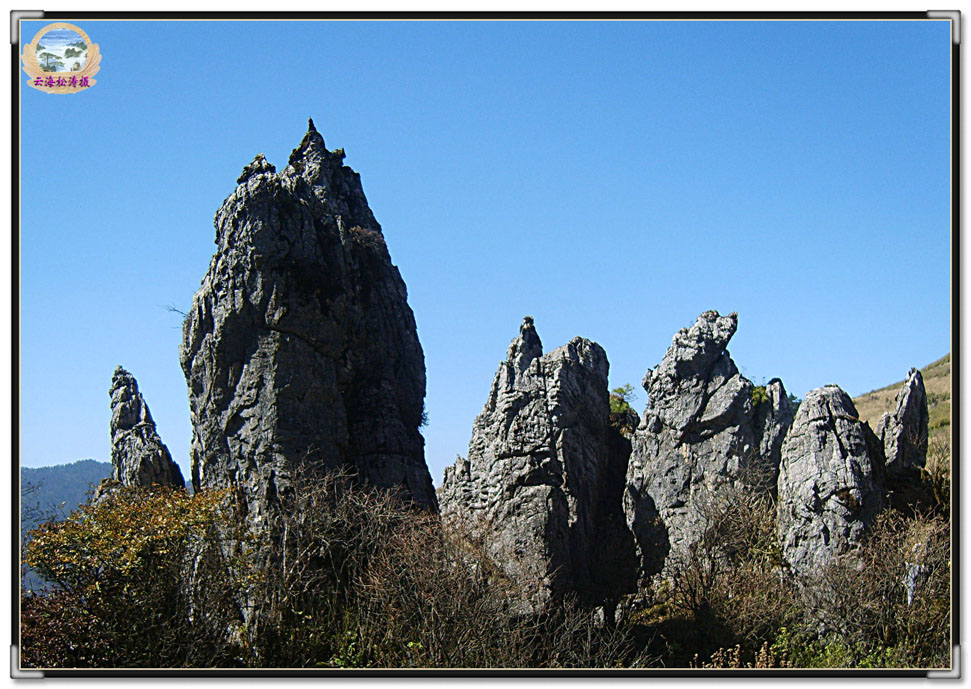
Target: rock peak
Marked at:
526, 347
527, 329
311, 148
543, 480
692, 356
138, 455
300, 350
702, 438
829, 488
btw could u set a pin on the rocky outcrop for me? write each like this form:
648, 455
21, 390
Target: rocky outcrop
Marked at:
903, 433
706, 430
300, 350
541, 486
138, 455
830, 481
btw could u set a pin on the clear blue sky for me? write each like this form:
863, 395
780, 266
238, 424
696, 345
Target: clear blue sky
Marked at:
613, 180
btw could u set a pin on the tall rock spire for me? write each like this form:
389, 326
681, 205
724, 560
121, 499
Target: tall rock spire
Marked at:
300, 350
138, 455
542, 484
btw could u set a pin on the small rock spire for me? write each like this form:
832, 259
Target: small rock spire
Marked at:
828, 498
903, 432
312, 149
138, 455
526, 347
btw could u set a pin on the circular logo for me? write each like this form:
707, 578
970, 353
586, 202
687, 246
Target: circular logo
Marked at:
61, 59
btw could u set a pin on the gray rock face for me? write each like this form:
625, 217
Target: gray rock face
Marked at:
702, 432
830, 481
541, 486
138, 455
904, 432
300, 350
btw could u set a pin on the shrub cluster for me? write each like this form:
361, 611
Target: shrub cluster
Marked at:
340, 575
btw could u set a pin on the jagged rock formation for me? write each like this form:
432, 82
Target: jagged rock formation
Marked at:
704, 431
138, 455
300, 350
541, 486
903, 433
830, 481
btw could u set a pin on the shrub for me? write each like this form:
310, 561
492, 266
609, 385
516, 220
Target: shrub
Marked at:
119, 568
368, 238
886, 604
889, 602
621, 398
937, 471
759, 395
366, 579
622, 414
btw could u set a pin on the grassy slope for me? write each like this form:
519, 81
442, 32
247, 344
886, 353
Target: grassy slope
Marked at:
937, 383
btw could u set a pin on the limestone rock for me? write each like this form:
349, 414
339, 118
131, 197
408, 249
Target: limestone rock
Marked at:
300, 350
830, 481
541, 486
138, 455
701, 435
904, 432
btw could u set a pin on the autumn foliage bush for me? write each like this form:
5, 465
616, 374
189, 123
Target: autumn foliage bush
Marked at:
117, 569
339, 576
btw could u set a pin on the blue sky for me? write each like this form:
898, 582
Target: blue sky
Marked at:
611, 179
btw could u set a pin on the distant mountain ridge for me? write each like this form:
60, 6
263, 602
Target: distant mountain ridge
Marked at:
57, 490
53, 493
